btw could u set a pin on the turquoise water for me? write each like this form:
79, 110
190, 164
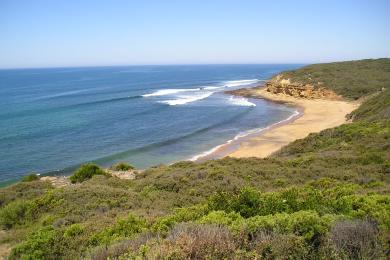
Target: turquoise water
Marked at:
52, 120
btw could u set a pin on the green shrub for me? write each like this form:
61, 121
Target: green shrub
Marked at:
122, 166
86, 172
73, 230
40, 245
307, 224
222, 218
14, 213
30, 177
336, 200
193, 213
123, 228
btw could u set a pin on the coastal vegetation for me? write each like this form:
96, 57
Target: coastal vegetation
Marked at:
122, 166
326, 196
350, 79
30, 177
85, 172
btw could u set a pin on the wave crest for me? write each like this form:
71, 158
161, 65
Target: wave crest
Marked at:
181, 96
236, 83
181, 100
240, 101
165, 92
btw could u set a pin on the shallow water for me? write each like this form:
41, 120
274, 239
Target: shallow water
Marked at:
55, 119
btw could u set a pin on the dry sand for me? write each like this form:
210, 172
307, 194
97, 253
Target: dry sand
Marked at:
317, 115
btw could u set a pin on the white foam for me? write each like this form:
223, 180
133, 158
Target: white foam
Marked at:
185, 99
236, 83
231, 83
204, 154
241, 135
181, 96
240, 101
210, 88
165, 92
259, 130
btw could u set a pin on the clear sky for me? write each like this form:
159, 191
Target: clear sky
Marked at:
51, 33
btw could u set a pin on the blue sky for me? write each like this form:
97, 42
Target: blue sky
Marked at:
55, 33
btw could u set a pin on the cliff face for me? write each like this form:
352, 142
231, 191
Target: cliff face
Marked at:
280, 85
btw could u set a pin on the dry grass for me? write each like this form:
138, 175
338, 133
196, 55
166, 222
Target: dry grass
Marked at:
356, 239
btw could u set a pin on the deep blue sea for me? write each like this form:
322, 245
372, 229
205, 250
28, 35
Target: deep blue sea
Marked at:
52, 120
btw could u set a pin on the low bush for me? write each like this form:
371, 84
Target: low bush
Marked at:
30, 177
186, 241
200, 242
42, 244
15, 212
123, 228
356, 239
249, 202
165, 223
270, 245
86, 172
122, 166
307, 224
73, 230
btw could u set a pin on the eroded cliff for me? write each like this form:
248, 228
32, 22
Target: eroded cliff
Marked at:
281, 85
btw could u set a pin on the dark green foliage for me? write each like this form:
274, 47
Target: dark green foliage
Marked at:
121, 166
14, 213
42, 244
86, 172
30, 177
350, 79
73, 231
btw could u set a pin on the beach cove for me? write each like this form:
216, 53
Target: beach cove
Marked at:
313, 116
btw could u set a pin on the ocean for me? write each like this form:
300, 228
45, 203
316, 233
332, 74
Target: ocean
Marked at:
52, 120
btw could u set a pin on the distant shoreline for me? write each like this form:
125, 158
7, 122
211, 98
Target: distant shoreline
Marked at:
313, 115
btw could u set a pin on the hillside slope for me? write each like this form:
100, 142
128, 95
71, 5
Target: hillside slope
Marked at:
324, 196
350, 79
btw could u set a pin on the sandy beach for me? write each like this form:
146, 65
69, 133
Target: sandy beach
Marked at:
316, 115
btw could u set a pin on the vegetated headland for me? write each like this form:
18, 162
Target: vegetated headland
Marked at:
324, 196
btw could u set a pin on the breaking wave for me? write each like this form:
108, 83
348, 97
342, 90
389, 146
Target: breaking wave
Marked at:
241, 101
181, 100
181, 96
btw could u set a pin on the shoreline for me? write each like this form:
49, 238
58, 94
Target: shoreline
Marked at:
314, 115
230, 146
262, 142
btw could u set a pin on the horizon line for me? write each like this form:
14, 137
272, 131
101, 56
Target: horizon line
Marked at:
183, 64
157, 64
